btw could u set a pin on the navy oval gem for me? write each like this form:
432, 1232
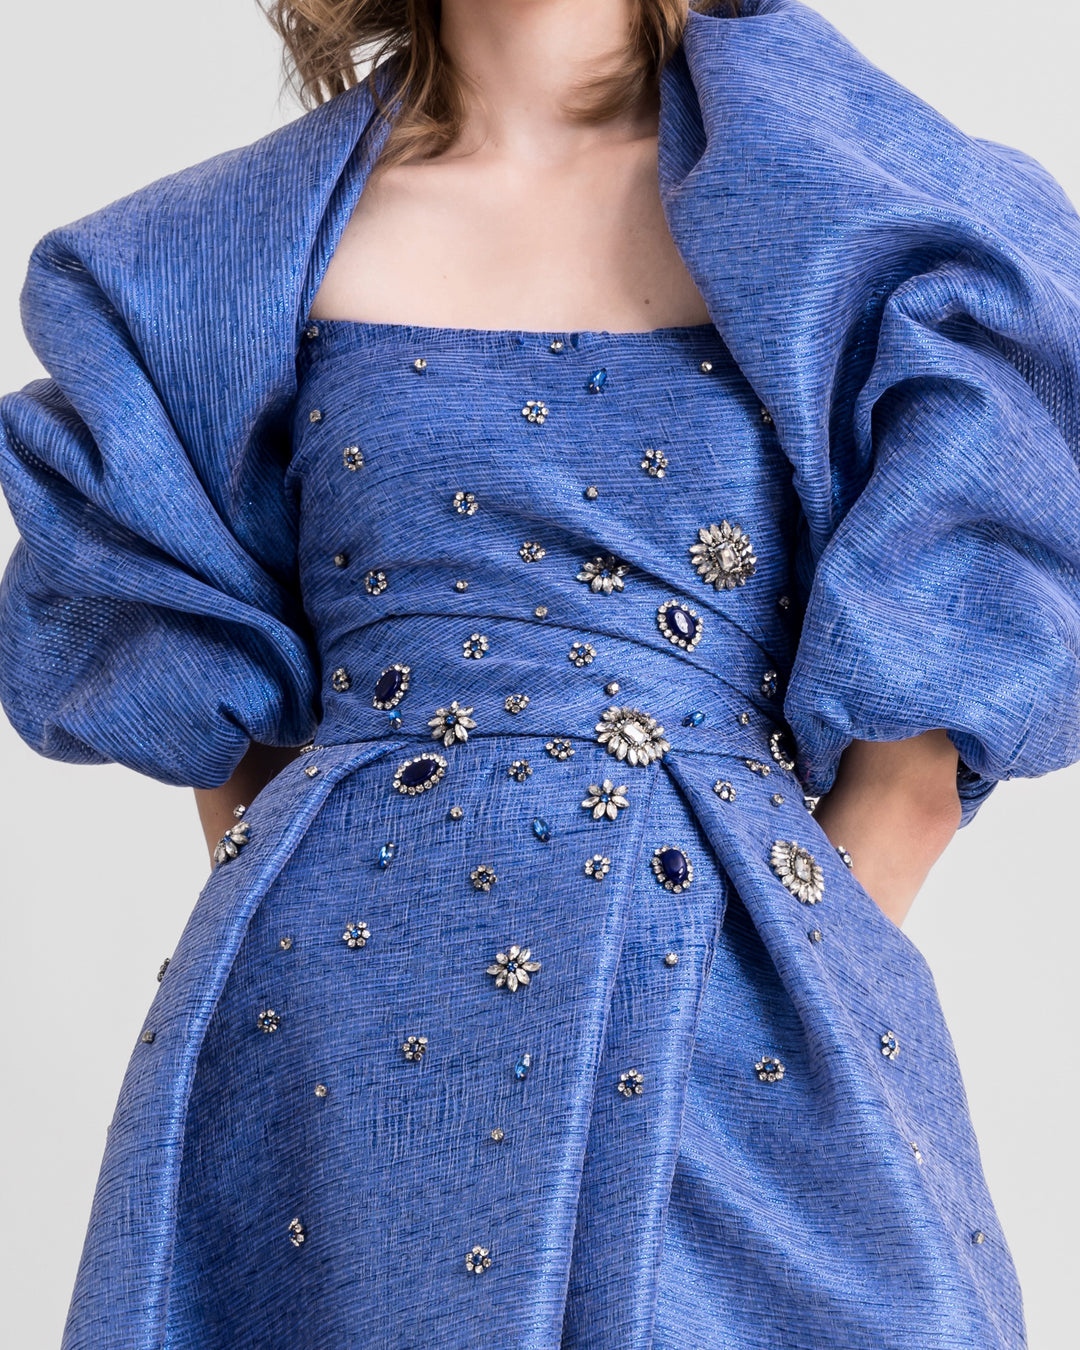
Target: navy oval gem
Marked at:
419, 771
674, 865
681, 623
596, 380
388, 684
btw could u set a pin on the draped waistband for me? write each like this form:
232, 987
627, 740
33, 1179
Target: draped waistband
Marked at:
513, 677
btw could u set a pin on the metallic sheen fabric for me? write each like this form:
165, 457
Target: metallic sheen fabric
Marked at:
724, 1108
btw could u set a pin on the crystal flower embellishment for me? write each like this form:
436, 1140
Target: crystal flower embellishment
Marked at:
723, 556
654, 462
356, 935
799, 871
452, 724
769, 1069
477, 1260
631, 1083
605, 800
231, 842
631, 735
512, 968
604, 574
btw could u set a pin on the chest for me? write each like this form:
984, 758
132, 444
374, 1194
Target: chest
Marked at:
492, 242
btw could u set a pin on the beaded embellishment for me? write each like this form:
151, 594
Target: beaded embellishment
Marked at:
631, 735
513, 968
723, 556
799, 871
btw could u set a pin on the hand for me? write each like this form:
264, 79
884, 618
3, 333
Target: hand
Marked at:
894, 807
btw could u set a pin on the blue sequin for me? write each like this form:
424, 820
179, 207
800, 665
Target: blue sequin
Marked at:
596, 381
541, 829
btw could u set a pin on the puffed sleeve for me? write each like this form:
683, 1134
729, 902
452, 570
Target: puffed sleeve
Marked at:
948, 594
148, 616
904, 299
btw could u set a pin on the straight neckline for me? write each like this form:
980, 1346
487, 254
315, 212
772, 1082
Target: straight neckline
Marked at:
318, 332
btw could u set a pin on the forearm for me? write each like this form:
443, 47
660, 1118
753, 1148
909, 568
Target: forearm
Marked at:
254, 771
894, 807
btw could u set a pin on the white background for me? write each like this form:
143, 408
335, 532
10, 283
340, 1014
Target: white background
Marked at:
100, 868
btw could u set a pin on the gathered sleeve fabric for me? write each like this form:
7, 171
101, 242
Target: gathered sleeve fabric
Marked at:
149, 615
948, 594
904, 299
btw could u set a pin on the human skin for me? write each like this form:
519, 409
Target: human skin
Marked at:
475, 238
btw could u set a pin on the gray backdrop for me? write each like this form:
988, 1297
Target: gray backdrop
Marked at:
101, 867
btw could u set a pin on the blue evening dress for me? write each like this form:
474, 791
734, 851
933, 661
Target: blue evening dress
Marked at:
504, 1052
530, 1005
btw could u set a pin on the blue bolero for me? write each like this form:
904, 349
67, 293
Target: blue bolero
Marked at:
904, 298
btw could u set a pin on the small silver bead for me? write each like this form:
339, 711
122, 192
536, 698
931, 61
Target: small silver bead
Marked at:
777, 799
315, 415
419, 364
706, 367
612, 688
456, 812
498, 1135
311, 770
286, 944
672, 959
341, 560
147, 1037
978, 1237
541, 611
312, 330
238, 812
814, 935
591, 493
461, 585
744, 719
557, 345
321, 1089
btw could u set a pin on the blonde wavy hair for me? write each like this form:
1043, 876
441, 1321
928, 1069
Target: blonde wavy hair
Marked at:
326, 40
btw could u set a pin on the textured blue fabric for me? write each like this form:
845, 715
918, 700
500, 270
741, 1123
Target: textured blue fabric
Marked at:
666, 1219
902, 299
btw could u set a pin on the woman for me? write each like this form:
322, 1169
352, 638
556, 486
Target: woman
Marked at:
588, 547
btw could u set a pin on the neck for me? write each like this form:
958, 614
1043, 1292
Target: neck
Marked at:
521, 63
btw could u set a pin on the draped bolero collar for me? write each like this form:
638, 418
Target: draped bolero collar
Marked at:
800, 183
